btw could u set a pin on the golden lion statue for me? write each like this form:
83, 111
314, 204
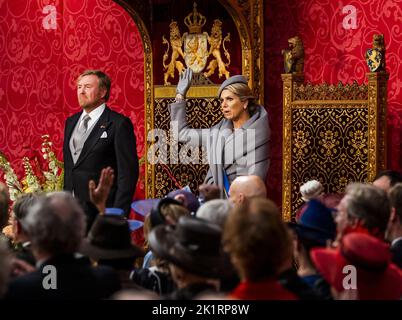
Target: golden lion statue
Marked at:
294, 56
176, 41
215, 40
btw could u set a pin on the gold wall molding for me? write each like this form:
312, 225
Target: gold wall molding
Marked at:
332, 133
136, 9
249, 19
194, 92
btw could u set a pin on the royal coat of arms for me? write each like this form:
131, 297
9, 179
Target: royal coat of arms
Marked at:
375, 57
195, 51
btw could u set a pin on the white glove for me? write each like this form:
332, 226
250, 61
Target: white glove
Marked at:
184, 82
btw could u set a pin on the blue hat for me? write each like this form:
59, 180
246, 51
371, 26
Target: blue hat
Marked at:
135, 224
234, 79
316, 223
144, 207
114, 211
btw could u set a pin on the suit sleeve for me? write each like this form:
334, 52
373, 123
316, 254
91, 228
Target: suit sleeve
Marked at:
127, 165
67, 180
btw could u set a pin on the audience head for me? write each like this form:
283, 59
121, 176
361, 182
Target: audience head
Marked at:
311, 189
4, 200
56, 225
316, 225
210, 192
5, 267
247, 187
186, 198
20, 211
215, 211
257, 240
363, 205
165, 211
387, 179
192, 247
370, 274
135, 294
394, 228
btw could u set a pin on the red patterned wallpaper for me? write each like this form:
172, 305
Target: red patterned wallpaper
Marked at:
44, 45
38, 64
336, 35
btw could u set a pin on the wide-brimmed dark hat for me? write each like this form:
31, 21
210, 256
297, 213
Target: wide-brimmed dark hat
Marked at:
156, 215
315, 223
110, 238
192, 244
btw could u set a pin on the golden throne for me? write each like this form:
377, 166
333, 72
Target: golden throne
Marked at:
332, 133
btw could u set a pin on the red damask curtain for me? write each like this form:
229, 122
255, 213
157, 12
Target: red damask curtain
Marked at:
336, 36
44, 46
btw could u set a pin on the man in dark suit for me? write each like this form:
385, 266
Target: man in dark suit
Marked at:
96, 138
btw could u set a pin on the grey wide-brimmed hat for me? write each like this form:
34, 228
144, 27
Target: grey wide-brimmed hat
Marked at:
192, 244
234, 79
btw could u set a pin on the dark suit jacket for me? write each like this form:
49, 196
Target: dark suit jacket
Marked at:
75, 280
396, 251
118, 151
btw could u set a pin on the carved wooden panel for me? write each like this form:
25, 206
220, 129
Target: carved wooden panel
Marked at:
332, 133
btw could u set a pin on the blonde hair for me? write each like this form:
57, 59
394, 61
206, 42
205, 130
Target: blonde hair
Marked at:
244, 93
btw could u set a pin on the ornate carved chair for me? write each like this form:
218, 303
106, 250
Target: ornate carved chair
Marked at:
332, 133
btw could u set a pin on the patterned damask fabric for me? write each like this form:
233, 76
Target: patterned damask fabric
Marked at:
41, 56
330, 144
332, 54
201, 113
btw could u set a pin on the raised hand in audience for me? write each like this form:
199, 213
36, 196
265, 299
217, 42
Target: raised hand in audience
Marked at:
98, 194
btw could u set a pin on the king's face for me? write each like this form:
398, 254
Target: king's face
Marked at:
88, 92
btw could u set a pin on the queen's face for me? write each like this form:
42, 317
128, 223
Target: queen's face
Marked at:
232, 107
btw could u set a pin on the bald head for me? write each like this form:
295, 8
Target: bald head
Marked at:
246, 187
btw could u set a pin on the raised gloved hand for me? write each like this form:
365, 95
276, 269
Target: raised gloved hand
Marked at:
184, 82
